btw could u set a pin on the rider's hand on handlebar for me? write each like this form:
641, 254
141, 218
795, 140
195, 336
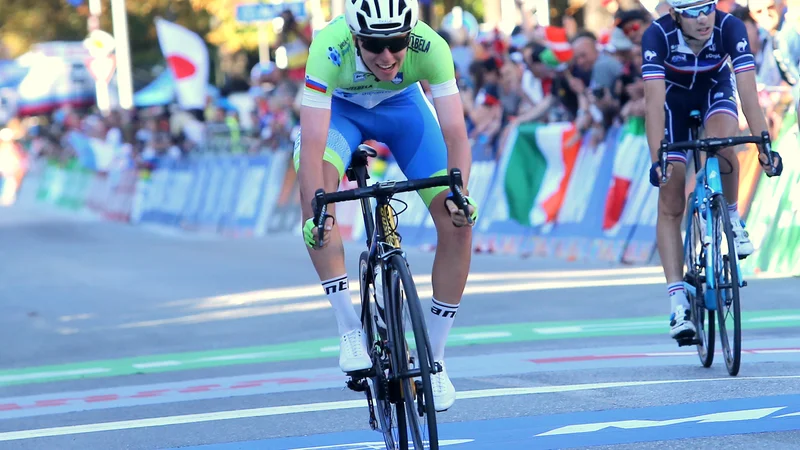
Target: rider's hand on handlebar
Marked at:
457, 215
777, 163
655, 174
311, 233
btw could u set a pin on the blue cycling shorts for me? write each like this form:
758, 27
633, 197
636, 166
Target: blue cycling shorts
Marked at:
406, 123
716, 98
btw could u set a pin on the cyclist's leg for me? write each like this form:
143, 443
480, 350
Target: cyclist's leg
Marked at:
418, 147
722, 120
343, 136
671, 206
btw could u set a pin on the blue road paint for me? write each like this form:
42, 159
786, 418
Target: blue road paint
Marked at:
618, 426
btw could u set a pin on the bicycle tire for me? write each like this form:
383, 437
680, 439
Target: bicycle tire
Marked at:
728, 276
401, 282
694, 265
390, 415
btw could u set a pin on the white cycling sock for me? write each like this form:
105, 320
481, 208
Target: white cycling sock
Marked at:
338, 292
677, 295
440, 318
733, 212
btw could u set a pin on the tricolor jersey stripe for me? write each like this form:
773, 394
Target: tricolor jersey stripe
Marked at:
744, 67
653, 76
315, 84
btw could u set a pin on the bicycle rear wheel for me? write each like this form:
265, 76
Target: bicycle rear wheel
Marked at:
417, 390
693, 270
727, 283
390, 414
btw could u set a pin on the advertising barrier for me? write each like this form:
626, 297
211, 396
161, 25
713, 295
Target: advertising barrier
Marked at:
549, 193
774, 218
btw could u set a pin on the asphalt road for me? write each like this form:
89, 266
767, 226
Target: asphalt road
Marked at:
117, 337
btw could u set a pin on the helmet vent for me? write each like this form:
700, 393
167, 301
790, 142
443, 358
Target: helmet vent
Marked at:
366, 9
384, 26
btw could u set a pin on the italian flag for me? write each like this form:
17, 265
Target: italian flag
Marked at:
631, 152
535, 170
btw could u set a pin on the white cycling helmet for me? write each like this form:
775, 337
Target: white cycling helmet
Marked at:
381, 18
684, 3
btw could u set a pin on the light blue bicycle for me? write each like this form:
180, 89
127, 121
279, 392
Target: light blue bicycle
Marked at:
711, 266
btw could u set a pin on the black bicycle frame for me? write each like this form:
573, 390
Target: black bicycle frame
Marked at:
375, 235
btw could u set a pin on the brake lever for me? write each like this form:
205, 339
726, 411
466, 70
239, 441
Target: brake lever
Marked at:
320, 213
456, 182
662, 159
767, 143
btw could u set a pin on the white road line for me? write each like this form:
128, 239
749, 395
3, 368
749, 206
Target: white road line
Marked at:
65, 373
150, 365
774, 319
341, 405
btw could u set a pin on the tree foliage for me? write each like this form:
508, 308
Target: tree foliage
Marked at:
26, 22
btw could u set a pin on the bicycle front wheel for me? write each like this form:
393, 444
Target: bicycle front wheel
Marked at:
693, 270
389, 410
415, 362
726, 275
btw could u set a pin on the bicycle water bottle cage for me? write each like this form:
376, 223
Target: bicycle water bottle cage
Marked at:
696, 117
359, 159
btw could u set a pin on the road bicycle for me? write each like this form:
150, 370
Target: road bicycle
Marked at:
398, 386
712, 275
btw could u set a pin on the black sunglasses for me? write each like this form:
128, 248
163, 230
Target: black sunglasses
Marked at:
377, 45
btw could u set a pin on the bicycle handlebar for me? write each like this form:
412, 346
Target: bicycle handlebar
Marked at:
388, 188
711, 145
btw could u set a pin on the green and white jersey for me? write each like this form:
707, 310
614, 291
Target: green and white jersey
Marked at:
334, 68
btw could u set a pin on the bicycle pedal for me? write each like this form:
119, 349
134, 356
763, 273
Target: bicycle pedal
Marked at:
360, 374
685, 342
357, 384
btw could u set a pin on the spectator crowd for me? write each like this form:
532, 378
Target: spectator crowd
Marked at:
536, 74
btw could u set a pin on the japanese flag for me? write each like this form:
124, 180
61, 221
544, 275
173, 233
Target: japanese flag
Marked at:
187, 58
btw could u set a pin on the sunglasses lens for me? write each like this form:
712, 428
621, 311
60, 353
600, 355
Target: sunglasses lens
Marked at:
393, 44
695, 12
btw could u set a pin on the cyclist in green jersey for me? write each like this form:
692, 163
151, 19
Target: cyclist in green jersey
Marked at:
362, 82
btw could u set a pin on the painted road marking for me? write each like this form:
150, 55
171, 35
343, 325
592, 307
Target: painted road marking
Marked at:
576, 358
325, 348
728, 416
365, 445
40, 376
579, 429
494, 365
340, 405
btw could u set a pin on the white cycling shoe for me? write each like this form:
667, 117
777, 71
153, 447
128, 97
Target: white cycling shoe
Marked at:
353, 353
744, 247
680, 323
444, 393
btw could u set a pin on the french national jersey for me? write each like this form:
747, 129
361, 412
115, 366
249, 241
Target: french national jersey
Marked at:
665, 54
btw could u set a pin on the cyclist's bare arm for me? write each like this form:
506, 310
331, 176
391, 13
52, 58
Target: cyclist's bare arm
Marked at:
748, 94
655, 93
451, 119
314, 123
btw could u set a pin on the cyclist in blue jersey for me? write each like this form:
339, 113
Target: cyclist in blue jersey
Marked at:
685, 66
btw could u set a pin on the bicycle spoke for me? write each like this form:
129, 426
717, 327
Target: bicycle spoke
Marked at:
413, 351
727, 279
693, 269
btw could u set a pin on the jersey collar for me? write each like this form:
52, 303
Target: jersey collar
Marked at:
360, 66
683, 47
